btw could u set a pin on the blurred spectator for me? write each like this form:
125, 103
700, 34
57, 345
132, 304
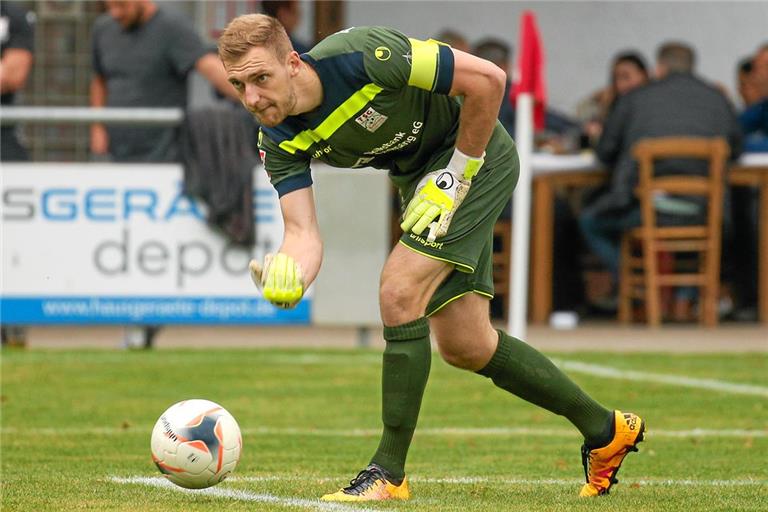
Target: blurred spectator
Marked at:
500, 53
760, 70
748, 91
288, 12
16, 45
568, 289
754, 119
142, 57
628, 71
677, 104
740, 249
454, 39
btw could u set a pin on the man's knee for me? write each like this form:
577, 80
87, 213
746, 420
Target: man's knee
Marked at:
461, 354
467, 353
400, 300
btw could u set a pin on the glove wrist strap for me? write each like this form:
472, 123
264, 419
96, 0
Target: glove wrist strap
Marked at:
467, 166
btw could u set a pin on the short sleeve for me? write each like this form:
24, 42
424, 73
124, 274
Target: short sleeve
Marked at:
21, 33
286, 172
96, 47
186, 47
394, 61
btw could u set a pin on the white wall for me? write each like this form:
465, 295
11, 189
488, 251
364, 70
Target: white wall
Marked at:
580, 38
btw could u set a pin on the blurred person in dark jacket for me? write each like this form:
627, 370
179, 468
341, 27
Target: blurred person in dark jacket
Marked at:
740, 249
16, 46
678, 103
749, 92
628, 72
754, 118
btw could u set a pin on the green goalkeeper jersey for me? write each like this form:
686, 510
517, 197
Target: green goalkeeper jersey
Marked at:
385, 105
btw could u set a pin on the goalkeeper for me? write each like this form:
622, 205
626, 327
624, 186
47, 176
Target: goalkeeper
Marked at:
372, 97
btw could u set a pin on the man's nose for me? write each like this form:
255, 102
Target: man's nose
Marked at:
252, 95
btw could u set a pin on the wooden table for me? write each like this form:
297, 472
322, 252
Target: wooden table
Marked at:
551, 173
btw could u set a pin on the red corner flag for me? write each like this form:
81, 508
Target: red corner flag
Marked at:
530, 68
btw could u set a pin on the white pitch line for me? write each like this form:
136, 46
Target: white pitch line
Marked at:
661, 378
447, 431
573, 366
460, 480
237, 494
523, 481
466, 480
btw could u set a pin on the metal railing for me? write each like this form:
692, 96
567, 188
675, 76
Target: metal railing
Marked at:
88, 115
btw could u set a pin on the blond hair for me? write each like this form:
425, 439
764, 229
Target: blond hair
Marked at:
252, 30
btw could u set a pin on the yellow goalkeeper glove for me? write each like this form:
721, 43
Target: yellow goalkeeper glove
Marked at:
439, 194
279, 279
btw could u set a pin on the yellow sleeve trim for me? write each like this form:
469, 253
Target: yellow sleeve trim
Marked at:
424, 55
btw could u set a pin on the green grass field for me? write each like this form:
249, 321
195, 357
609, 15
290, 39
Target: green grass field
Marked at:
76, 428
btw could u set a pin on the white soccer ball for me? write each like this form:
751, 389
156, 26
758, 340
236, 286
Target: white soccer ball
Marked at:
196, 443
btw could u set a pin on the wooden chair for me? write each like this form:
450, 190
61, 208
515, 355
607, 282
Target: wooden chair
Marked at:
640, 276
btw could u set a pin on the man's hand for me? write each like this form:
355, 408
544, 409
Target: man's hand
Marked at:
438, 195
279, 279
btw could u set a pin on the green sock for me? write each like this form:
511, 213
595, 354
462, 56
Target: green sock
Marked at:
523, 371
405, 369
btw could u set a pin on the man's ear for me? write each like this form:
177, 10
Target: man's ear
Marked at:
294, 62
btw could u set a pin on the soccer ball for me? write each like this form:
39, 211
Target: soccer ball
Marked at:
196, 443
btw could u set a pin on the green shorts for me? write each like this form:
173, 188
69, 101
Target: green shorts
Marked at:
468, 245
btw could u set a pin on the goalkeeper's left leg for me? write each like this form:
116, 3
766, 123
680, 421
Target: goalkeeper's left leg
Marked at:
467, 340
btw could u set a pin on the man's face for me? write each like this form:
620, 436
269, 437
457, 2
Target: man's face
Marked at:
627, 76
748, 89
264, 83
127, 13
760, 72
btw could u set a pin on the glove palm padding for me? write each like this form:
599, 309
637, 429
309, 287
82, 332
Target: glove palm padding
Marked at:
279, 279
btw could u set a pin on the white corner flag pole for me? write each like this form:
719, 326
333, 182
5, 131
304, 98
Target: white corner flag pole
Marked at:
521, 212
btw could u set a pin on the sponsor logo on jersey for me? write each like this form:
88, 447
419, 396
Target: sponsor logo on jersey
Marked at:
382, 53
371, 120
322, 150
399, 141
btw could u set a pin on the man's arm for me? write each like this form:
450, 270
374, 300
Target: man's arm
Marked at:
481, 83
212, 69
14, 69
301, 237
98, 98
611, 140
283, 278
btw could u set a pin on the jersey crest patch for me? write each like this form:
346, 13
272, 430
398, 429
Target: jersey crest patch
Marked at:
371, 120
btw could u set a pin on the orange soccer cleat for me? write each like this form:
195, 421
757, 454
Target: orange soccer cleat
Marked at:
602, 464
371, 484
